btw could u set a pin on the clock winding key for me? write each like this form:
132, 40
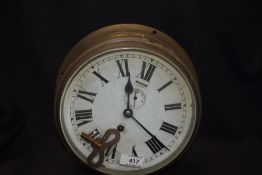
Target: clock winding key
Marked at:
99, 145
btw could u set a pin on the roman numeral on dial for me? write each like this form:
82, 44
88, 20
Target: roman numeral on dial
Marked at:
164, 86
134, 153
83, 117
155, 145
98, 75
123, 67
169, 128
147, 71
111, 151
172, 106
88, 96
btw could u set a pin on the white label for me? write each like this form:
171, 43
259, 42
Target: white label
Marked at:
131, 161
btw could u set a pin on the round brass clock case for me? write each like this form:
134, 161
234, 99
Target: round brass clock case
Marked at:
157, 118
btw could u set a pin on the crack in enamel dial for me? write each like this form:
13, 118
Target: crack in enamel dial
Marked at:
162, 103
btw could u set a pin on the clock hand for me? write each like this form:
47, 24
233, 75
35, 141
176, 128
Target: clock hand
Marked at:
129, 90
135, 97
128, 113
153, 136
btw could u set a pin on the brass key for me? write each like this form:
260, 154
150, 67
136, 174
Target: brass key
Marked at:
99, 145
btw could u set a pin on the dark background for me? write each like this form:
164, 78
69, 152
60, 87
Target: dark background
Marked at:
223, 39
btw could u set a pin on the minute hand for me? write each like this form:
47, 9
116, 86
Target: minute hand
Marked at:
153, 136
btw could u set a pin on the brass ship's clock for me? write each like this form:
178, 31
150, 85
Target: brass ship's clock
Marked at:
127, 100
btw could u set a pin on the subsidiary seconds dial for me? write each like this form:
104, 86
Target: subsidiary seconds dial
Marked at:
141, 94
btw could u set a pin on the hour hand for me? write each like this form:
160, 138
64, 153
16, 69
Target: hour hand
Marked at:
129, 90
129, 87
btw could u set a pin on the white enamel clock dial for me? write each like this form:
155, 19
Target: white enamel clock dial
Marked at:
136, 81
162, 102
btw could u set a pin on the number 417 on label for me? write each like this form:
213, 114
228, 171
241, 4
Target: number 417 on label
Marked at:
131, 161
